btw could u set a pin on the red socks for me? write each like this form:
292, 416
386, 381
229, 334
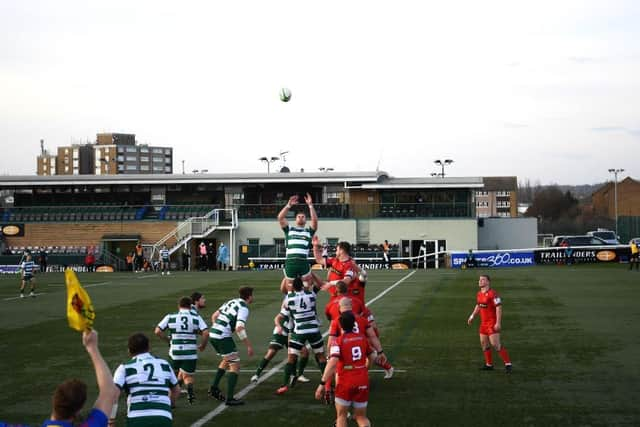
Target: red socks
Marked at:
488, 358
505, 356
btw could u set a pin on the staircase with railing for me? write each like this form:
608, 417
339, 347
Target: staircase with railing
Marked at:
109, 258
196, 228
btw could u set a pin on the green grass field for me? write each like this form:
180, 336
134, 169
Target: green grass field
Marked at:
573, 334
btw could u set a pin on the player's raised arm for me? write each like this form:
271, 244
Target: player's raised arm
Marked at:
107, 390
282, 215
312, 211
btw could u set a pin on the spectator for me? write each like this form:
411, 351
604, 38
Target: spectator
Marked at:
42, 258
470, 261
185, 260
203, 256
223, 257
385, 253
138, 257
130, 259
211, 257
90, 262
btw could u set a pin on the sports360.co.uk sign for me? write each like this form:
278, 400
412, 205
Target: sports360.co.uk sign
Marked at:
495, 259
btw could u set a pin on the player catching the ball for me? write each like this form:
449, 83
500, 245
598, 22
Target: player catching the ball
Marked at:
298, 239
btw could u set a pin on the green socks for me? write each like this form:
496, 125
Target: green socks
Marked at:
232, 380
219, 375
302, 363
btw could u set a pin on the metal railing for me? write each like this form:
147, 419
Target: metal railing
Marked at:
196, 227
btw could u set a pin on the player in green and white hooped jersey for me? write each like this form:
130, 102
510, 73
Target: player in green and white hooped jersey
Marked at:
150, 384
198, 302
300, 306
280, 340
27, 267
231, 317
298, 239
184, 328
164, 260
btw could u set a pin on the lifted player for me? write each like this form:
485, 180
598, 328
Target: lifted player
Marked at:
298, 239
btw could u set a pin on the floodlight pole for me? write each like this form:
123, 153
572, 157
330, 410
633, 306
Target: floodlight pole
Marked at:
615, 194
442, 164
268, 161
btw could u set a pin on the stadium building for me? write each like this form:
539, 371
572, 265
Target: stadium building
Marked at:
113, 212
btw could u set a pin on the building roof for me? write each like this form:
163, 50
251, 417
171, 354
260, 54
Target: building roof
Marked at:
364, 180
227, 178
500, 183
426, 182
608, 186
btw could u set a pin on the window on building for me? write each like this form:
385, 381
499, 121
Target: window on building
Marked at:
144, 158
167, 168
157, 168
132, 158
167, 151
132, 149
131, 167
157, 150
335, 197
158, 159
144, 167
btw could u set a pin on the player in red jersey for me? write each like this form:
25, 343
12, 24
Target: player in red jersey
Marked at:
332, 309
348, 358
363, 326
489, 305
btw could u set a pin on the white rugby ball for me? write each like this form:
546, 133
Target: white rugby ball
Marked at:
285, 94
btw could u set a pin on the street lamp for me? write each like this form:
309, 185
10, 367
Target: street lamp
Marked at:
615, 173
325, 169
442, 163
268, 161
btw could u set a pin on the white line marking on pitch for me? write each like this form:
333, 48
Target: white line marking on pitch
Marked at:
220, 408
306, 370
12, 298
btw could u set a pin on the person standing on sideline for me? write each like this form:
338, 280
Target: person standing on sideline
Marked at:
223, 257
231, 317
211, 257
70, 396
185, 260
138, 257
385, 254
348, 358
184, 328
489, 305
633, 259
151, 386
202, 250
42, 258
164, 260
298, 239
90, 261
27, 268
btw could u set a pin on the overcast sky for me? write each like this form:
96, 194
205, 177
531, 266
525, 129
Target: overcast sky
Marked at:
544, 90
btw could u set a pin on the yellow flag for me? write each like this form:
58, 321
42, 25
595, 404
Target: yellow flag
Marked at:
80, 311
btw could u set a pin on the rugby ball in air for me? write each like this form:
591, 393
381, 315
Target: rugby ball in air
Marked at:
285, 94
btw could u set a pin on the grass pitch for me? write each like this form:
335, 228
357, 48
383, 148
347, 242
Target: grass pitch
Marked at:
572, 332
